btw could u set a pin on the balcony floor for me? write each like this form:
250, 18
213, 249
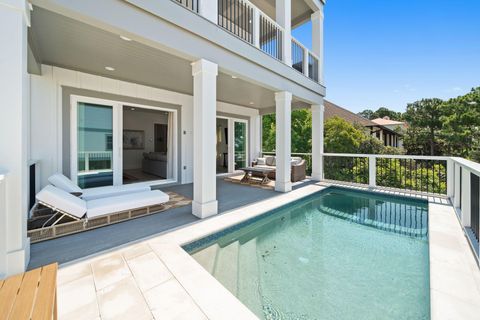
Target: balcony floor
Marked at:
80, 245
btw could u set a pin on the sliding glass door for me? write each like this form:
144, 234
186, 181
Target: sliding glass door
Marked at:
240, 146
94, 145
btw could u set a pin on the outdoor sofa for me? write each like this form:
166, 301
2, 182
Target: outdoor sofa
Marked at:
298, 167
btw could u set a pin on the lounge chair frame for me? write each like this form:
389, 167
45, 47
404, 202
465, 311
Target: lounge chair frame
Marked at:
83, 224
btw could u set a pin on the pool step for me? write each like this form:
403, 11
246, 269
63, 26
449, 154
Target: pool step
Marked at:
206, 257
248, 277
226, 267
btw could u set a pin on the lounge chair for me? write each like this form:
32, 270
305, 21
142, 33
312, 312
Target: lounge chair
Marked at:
62, 182
66, 204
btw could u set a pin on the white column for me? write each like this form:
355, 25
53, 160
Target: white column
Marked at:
14, 84
317, 40
317, 141
255, 137
284, 19
204, 158
283, 101
209, 9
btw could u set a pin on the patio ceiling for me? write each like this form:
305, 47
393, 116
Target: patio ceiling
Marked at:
60, 41
301, 12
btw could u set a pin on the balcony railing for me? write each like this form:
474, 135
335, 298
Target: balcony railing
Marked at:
454, 178
189, 4
247, 22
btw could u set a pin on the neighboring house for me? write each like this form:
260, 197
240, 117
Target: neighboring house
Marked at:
388, 131
139, 91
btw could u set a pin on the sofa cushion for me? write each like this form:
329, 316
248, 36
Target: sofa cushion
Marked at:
158, 156
62, 182
270, 161
261, 161
295, 161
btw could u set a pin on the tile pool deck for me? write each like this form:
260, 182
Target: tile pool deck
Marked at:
156, 279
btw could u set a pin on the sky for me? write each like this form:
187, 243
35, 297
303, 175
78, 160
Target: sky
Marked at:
387, 53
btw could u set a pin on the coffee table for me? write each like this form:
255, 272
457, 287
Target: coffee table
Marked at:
251, 172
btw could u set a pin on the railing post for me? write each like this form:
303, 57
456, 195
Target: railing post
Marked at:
208, 9
450, 179
372, 171
466, 198
284, 19
457, 188
305, 62
256, 27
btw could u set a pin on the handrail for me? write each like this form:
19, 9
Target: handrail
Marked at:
391, 156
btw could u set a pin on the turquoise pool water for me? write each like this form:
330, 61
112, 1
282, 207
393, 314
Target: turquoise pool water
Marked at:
335, 255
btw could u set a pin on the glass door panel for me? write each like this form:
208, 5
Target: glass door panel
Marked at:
240, 136
94, 145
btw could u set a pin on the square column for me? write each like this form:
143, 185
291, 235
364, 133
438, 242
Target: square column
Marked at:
317, 40
204, 148
283, 116
318, 111
284, 19
14, 81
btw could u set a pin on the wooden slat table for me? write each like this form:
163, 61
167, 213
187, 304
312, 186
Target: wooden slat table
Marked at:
30, 295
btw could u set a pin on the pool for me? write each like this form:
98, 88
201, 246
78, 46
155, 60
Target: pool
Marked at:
337, 254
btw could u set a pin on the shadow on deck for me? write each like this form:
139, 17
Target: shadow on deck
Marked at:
65, 249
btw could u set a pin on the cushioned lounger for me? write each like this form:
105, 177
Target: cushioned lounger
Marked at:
62, 182
67, 204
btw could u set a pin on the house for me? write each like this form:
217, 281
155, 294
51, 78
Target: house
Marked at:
117, 92
388, 131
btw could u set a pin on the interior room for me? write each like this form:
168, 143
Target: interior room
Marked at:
222, 145
147, 144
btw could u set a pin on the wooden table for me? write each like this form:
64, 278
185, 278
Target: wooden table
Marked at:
30, 295
250, 172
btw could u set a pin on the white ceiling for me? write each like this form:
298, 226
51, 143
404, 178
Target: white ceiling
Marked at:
64, 42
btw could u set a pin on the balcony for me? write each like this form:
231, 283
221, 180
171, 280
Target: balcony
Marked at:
247, 22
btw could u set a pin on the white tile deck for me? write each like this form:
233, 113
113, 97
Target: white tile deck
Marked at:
156, 279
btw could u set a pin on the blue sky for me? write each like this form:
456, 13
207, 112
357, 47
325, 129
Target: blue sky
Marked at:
389, 53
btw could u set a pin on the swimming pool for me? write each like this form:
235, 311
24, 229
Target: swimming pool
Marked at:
337, 254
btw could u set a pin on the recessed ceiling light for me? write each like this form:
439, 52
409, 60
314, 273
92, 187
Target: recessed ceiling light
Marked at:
132, 108
125, 38
110, 68
234, 77
251, 102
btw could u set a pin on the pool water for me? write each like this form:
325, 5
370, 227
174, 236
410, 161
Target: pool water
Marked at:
335, 255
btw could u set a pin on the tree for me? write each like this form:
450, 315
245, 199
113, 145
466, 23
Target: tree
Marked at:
341, 136
424, 119
381, 113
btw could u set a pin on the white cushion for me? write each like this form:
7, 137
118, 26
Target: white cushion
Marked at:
62, 182
126, 202
112, 191
261, 161
63, 201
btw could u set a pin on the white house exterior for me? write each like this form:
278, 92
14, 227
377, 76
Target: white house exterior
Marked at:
194, 62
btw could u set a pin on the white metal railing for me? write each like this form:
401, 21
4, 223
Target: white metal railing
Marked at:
92, 157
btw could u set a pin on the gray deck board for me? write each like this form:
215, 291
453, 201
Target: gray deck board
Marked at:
76, 246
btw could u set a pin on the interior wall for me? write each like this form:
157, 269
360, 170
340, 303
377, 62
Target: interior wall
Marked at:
141, 119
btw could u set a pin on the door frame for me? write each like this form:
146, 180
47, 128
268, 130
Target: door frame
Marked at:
231, 142
117, 143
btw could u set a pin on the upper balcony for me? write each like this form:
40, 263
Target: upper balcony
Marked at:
264, 24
